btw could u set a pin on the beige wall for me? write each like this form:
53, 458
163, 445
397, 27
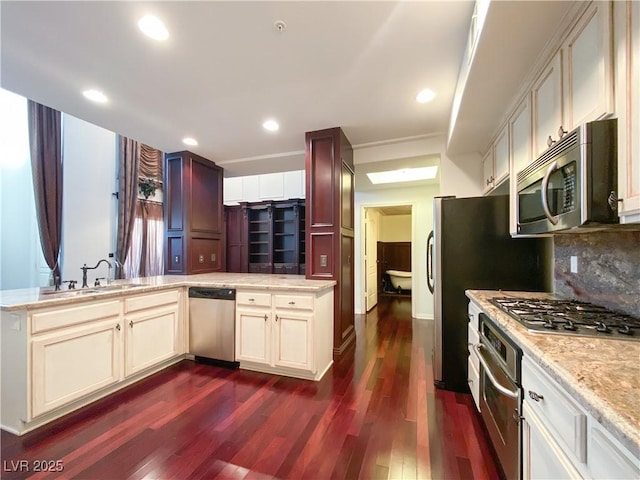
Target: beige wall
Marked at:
394, 228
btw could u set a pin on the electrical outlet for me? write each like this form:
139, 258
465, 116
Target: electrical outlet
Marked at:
574, 264
323, 260
201, 258
213, 257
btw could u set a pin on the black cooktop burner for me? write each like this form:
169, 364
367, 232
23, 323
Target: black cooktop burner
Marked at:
570, 317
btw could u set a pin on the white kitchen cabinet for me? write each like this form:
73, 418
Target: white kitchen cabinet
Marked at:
501, 157
627, 50
285, 333
520, 155
542, 458
487, 172
153, 330
473, 375
69, 363
547, 103
607, 458
588, 81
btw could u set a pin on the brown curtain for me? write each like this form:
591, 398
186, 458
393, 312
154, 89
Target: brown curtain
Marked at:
128, 159
45, 142
150, 162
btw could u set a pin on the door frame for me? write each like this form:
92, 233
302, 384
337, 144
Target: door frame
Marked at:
361, 241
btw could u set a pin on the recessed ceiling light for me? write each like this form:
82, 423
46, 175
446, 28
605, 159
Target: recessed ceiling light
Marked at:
95, 95
153, 27
190, 141
271, 125
425, 96
403, 175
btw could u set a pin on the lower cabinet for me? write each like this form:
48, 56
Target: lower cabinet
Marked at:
58, 359
152, 330
561, 440
473, 375
283, 333
70, 363
542, 458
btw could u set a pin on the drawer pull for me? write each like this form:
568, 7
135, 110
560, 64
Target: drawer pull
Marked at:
292, 303
535, 396
251, 299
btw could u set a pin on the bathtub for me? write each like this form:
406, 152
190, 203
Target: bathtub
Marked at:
400, 279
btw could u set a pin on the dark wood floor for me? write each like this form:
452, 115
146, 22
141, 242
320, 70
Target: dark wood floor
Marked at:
375, 414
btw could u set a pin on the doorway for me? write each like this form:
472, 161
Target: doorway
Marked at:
387, 262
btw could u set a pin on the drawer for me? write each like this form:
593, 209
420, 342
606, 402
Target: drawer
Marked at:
141, 302
474, 338
473, 312
253, 299
298, 302
65, 317
557, 410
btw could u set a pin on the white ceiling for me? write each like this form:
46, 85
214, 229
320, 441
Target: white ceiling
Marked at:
225, 69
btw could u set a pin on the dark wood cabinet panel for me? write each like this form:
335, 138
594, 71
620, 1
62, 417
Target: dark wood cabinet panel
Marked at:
270, 235
329, 224
236, 229
194, 233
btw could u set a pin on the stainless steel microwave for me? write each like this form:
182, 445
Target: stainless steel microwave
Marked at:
573, 183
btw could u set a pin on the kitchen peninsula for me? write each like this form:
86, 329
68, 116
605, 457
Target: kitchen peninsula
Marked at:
62, 350
580, 405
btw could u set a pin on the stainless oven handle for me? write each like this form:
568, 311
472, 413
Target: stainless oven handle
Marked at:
487, 370
545, 186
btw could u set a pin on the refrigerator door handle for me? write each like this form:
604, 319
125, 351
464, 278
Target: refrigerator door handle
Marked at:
430, 282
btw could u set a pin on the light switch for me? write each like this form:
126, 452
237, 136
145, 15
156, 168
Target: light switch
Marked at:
201, 258
323, 260
213, 257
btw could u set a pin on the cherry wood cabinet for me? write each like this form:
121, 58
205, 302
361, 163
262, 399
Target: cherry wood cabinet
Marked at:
194, 226
329, 223
266, 237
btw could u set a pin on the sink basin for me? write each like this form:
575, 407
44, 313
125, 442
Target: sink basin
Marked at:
118, 286
69, 293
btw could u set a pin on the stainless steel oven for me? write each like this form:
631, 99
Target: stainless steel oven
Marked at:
573, 183
501, 395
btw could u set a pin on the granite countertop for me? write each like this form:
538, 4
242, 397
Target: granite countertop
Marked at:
603, 375
44, 297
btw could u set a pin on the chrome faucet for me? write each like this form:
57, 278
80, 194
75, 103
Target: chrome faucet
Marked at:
84, 269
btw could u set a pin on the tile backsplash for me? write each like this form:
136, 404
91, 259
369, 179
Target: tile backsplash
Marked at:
608, 269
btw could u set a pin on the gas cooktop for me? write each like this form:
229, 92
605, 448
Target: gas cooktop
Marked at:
570, 317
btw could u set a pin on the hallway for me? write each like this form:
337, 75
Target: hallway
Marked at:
375, 414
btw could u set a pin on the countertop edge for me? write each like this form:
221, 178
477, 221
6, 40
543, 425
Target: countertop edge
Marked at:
305, 286
618, 426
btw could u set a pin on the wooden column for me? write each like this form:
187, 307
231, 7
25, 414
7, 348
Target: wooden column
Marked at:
193, 214
329, 224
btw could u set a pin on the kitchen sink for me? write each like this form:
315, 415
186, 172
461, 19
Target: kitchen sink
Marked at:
69, 293
118, 286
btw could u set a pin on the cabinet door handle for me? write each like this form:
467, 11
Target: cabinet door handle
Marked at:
265, 317
276, 318
131, 323
535, 396
118, 326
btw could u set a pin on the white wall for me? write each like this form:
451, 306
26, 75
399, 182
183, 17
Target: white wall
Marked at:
421, 199
394, 228
89, 207
20, 252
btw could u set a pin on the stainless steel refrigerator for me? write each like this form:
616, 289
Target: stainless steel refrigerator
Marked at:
470, 248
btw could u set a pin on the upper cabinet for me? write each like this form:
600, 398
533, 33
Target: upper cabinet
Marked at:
194, 224
588, 64
547, 105
627, 51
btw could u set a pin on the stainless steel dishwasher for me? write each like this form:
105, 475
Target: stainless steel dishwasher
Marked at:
212, 325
